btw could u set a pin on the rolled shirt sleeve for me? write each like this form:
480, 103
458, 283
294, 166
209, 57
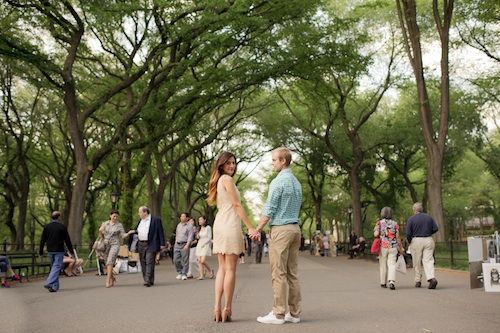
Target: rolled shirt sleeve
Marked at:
273, 200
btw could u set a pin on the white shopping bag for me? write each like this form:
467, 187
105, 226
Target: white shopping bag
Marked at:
401, 264
120, 266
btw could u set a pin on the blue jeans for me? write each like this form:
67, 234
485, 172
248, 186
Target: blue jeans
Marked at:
56, 262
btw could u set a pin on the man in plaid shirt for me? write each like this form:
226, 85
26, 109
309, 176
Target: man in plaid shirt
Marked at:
281, 212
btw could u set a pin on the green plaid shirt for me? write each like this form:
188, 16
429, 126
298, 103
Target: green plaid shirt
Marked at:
284, 199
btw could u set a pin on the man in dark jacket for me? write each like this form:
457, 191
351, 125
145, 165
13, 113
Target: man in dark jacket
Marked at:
419, 231
259, 246
151, 239
55, 235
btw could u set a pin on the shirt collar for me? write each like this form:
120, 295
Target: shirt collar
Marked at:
285, 170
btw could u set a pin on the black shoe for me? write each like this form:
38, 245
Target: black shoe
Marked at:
383, 285
50, 289
392, 286
418, 284
147, 284
432, 283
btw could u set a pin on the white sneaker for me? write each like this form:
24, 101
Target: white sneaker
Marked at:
178, 277
184, 277
291, 319
270, 319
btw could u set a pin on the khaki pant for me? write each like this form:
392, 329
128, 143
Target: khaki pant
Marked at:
284, 243
422, 254
387, 264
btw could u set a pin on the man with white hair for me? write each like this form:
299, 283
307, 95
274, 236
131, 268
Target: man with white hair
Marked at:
419, 231
151, 239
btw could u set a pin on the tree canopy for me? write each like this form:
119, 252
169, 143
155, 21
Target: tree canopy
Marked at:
137, 98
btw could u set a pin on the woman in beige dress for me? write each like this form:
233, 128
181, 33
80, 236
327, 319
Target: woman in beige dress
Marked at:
112, 232
228, 235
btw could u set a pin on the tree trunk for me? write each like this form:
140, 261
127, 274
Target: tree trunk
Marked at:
356, 201
23, 203
435, 140
128, 216
127, 206
317, 213
75, 219
156, 196
435, 202
68, 196
90, 216
9, 220
22, 213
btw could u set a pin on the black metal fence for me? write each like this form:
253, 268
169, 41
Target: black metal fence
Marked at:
451, 254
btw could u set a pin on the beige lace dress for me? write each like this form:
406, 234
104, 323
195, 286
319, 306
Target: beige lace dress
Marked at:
227, 232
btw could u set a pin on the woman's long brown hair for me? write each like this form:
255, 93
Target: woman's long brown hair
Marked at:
217, 172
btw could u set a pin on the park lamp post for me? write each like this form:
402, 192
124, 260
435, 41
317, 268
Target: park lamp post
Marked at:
114, 199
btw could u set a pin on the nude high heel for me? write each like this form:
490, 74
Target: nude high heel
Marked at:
217, 315
226, 315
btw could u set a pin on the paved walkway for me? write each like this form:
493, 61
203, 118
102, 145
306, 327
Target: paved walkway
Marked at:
339, 295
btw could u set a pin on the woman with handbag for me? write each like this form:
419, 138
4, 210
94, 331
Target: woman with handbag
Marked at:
112, 233
390, 243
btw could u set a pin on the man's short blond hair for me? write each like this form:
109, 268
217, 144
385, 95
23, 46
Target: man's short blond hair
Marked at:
284, 153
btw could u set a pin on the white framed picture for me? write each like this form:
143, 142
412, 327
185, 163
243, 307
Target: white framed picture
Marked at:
491, 277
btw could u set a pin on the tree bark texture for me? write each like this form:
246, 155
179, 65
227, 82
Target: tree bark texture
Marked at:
434, 139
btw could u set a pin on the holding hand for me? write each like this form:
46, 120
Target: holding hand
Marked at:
254, 234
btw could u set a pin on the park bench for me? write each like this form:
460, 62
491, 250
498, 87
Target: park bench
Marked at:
24, 262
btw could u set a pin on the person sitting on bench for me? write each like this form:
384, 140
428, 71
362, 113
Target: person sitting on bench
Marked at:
71, 266
5, 271
358, 248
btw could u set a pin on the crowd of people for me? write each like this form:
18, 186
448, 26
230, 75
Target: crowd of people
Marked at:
191, 244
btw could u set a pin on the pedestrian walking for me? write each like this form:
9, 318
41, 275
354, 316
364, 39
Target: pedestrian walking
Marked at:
388, 231
193, 259
419, 231
204, 248
112, 232
55, 235
151, 240
184, 235
259, 246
